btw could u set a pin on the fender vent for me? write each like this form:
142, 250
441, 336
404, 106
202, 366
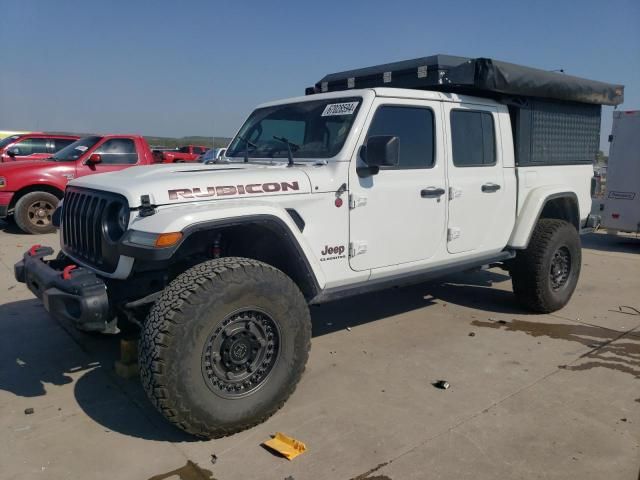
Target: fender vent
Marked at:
297, 219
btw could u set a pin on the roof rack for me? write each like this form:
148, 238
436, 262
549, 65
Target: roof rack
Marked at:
474, 76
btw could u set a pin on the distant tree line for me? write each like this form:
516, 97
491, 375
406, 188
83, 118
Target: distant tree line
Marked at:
173, 142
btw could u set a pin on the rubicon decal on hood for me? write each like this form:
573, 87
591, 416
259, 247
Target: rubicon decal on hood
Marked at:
231, 190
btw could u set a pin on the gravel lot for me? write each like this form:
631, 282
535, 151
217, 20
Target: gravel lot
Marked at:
532, 396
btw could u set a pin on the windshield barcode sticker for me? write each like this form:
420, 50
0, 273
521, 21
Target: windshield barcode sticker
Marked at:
340, 109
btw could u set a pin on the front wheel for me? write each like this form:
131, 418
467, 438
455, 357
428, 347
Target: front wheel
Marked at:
545, 274
224, 346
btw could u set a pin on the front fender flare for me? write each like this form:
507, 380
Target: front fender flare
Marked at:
196, 218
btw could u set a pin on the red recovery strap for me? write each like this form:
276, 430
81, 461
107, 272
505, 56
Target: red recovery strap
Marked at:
66, 272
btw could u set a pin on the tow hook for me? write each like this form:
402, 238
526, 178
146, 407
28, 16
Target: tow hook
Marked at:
66, 271
34, 249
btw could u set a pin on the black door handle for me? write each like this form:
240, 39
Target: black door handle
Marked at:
490, 187
431, 192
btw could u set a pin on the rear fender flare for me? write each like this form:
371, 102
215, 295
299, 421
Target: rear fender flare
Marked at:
531, 211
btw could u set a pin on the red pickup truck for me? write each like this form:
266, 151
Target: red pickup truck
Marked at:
187, 153
31, 190
33, 146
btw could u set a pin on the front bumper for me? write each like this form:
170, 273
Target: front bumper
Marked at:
5, 201
68, 292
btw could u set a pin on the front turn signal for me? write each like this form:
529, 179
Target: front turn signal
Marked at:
168, 239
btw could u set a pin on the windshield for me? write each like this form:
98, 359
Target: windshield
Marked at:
7, 140
314, 129
76, 149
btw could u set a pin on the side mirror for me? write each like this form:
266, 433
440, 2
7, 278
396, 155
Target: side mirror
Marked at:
379, 151
12, 152
93, 159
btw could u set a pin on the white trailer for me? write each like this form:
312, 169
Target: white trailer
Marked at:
621, 211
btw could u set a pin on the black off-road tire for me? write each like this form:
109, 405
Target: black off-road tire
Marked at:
25, 218
176, 338
535, 284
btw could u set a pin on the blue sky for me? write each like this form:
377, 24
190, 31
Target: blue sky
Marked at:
198, 68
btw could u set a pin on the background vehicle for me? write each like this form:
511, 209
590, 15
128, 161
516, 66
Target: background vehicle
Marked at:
212, 155
187, 153
33, 146
621, 203
353, 188
30, 190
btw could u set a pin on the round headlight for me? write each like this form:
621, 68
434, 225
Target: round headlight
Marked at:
123, 218
116, 221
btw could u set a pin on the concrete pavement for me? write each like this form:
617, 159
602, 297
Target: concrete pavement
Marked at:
532, 396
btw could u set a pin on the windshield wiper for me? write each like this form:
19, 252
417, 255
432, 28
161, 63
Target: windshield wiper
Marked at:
247, 144
289, 145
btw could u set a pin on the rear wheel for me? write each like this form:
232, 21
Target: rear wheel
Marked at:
224, 346
545, 275
33, 212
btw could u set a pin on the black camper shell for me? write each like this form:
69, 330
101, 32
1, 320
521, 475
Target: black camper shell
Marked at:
555, 117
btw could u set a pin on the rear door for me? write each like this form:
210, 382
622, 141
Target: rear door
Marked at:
116, 154
398, 215
478, 206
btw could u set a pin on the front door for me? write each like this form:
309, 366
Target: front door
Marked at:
398, 215
115, 153
478, 206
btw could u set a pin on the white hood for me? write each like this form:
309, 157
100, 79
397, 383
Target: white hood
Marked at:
180, 183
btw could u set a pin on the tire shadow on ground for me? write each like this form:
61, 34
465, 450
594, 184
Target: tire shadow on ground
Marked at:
611, 243
37, 352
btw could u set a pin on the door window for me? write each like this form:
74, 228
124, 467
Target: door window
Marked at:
31, 145
472, 138
118, 151
60, 143
414, 127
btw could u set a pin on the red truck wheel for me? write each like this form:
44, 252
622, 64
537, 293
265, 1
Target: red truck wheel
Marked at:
34, 211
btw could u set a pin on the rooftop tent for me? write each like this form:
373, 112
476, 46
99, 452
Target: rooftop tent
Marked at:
479, 76
555, 118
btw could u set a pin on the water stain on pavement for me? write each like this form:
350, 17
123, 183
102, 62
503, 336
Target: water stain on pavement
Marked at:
610, 349
366, 475
191, 471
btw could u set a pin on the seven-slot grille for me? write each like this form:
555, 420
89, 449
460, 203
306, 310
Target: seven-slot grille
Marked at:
86, 215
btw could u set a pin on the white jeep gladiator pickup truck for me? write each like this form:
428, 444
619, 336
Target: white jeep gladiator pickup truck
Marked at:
377, 177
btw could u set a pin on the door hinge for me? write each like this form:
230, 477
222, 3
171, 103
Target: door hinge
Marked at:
356, 201
357, 248
454, 193
453, 233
